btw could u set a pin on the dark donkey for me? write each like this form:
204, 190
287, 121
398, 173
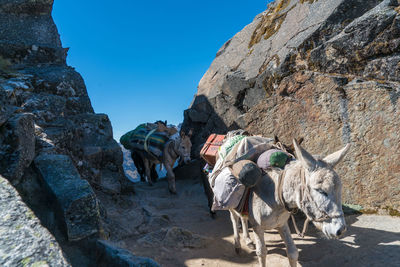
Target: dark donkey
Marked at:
139, 164
173, 149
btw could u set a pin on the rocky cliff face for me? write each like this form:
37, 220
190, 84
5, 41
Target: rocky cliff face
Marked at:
24, 241
44, 103
325, 70
53, 148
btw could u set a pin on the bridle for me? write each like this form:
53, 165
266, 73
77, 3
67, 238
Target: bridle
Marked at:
175, 147
305, 196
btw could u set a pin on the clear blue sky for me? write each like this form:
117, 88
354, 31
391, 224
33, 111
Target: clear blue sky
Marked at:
142, 60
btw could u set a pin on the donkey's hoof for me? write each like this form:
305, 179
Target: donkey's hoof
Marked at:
213, 214
238, 250
172, 191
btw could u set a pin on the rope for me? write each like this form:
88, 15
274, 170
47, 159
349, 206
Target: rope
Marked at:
280, 146
146, 146
305, 193
283, 203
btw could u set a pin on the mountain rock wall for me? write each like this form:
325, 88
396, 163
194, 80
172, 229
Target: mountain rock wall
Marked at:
53, 148
325, 70
24, 241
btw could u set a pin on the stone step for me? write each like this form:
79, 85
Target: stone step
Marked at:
74, 199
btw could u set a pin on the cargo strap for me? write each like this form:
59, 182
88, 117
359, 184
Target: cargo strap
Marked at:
225, 163
146, 146
243, 207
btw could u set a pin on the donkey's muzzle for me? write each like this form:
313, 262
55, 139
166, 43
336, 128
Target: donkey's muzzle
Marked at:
341, 231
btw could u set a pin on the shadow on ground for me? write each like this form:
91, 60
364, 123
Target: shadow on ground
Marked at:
370, 240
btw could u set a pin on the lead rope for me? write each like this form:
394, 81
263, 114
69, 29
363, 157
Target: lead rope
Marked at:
280, 146
280, 195
303, 185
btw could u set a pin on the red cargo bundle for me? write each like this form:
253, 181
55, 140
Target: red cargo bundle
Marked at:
210, 148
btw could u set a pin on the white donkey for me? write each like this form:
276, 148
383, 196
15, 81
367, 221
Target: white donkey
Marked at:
173, 149
309, 184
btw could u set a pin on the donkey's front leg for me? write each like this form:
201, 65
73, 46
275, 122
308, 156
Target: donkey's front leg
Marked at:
245, 227
291, 249
146, 164
171, 178
261, 250
235, 220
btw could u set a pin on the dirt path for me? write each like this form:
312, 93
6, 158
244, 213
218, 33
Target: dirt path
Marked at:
370, 240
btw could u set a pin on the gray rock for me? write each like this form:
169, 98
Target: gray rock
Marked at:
37, 7
75, 199
40, 104
363, 35
23, 240
108, 183
28, 33
5, 109
250, 66
78, 105
59, 80
179, 237
34, 78
110, 255
99, 148
197, 116
17, 141
153, 222
174, 237
192, 170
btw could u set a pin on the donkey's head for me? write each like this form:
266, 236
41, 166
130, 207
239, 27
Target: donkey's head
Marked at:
321, 191
184, 146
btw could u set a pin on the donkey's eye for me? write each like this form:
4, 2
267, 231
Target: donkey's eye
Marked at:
322, 192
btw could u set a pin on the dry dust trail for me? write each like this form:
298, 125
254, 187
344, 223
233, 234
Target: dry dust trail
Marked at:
371, 240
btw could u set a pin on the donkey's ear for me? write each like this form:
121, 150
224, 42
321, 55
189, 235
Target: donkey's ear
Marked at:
334, 158
305, 158
300, 140
182, 133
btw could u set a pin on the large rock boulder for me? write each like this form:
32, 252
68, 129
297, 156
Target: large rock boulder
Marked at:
34, 78
46, 116
17, 146
23, 240
28, 33
5, 109
75, 200
111, 255
325, 70
174, 237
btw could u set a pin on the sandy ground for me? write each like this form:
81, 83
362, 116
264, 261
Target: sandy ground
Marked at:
371, 240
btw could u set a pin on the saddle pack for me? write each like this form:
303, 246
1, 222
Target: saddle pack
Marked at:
146, 138
236, 170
